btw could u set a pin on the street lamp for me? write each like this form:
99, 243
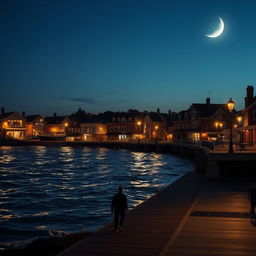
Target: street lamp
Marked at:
156, 128
231, 105
5, 125
138, 129
100, 132
239, 119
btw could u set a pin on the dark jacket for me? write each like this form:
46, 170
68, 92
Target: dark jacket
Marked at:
119, 203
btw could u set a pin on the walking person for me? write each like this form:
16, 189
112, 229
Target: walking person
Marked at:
252, 198
119, 207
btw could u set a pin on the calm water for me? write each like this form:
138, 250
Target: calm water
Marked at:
71, 189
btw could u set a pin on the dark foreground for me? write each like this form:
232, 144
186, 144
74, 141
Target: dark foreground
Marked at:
46, 246
192, 217
148, 227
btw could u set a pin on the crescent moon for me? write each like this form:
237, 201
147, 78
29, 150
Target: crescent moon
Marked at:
218, 31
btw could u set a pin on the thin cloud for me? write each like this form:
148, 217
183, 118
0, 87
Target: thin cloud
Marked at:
80, 99
114, 102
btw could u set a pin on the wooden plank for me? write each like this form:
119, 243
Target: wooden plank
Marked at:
148, 226
207, 235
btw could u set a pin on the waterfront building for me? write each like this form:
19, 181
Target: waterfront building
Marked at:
125, 126
73, 130
157, 125
93, 129
35, 125
205, 121
181, 125
55, 127
249, 117
12, 125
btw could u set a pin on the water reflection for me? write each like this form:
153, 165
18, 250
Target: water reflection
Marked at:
40, 150
66, 188
7, 158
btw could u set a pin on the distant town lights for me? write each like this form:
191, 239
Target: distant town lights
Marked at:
218, 124
239, 119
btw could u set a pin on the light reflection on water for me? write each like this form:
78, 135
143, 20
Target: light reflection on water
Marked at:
69, 188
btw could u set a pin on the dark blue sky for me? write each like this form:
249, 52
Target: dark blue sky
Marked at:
59, 55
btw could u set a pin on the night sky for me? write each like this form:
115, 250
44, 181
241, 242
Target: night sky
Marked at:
57, 56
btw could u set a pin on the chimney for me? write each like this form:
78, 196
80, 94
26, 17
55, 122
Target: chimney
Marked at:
208, 101
158, 111
54, 114
23, 114
2, 110
249, 99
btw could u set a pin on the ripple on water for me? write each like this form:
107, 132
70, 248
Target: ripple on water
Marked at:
71, 188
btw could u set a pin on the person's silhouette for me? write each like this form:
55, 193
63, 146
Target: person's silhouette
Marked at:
119, 206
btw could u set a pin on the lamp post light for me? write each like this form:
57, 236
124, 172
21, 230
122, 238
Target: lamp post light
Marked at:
239, 119
156, 128
100, 133
231, 105
5, 125
138, 128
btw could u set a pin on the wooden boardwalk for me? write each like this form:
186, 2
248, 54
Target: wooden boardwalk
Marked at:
219, 224
148, 227
190, 217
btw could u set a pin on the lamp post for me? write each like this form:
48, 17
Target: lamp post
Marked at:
66, 128
156, 128
239, 119
139, 130
231, 105
100, 131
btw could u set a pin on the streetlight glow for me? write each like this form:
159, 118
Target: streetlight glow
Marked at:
239, 119
231, 105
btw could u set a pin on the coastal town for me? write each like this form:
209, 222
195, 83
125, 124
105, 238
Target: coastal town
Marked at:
204, 121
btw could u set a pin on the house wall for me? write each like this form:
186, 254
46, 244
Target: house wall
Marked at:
93, 131
13, 126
